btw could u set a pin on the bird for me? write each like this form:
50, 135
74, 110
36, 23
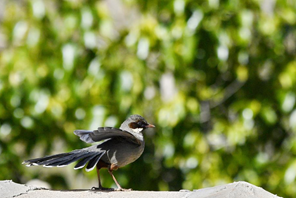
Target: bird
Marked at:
116, 148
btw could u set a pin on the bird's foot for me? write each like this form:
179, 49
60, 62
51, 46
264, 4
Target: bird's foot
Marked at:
102, 189
123, 189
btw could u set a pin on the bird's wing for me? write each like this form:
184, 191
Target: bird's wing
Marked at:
103, 133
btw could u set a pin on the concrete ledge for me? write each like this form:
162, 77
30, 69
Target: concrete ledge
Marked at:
233, 190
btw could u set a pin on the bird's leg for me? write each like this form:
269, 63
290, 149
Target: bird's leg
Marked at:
99, 178
99, 181
110, 170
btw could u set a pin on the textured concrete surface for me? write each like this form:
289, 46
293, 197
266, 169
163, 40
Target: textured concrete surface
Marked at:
10, 189
233, 190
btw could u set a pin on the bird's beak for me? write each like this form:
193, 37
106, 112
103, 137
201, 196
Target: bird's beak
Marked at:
150, 126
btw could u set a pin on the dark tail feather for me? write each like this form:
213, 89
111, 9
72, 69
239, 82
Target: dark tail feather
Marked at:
67, 160
93, 162
53, 160
37, 161
84, 161
64, 159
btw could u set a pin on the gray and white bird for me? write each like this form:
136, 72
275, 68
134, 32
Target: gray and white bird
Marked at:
116, 148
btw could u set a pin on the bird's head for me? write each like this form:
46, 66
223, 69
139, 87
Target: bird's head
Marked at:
136, 124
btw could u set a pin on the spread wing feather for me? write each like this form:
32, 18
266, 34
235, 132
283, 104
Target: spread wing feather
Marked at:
103, 133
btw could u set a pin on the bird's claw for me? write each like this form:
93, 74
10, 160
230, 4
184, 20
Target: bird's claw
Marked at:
123, 189
101, 189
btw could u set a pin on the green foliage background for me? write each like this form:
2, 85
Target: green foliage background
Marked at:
217, 78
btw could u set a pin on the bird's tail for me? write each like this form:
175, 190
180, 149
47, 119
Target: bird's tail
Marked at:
63, 159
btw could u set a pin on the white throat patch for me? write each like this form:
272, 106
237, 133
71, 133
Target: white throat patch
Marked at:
137, 130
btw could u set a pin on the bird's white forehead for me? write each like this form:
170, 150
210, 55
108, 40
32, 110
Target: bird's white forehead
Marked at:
137, 130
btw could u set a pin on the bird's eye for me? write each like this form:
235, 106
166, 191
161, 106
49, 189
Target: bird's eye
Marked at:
142, 124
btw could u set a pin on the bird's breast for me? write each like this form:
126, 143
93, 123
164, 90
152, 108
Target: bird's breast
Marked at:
122, 153
131, 155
